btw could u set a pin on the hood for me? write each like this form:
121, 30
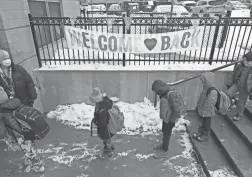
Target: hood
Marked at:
208, 79
160, 87
248, 56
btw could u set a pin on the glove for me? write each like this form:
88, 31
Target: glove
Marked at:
31, 101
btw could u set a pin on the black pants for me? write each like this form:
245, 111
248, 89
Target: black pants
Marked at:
167, 131
205, 128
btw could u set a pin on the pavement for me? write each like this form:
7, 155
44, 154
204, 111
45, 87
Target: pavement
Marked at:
68, 152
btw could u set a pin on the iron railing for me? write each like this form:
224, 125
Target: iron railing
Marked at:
225, 39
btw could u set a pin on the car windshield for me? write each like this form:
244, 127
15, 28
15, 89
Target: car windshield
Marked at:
190, 4
214, 3
176, 9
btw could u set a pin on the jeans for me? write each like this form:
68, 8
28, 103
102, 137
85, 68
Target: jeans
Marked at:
107, 142
205, 128
243, 96
167, 131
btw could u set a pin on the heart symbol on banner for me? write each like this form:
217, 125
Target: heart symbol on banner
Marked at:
150, 43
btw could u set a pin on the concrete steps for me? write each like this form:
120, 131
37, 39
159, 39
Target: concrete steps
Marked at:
231, 139
209, 154
236, 149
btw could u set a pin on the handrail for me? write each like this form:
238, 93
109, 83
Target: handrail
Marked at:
191, 78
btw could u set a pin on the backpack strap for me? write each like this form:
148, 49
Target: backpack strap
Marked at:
217, 105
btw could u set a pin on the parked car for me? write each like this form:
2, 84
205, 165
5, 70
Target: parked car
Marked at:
236, 5
160, 26
209, 6
246, 2
100, 7
114, 9
188, 4
178, 10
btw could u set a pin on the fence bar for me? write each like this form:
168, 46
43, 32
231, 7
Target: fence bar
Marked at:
214, 40
35, 39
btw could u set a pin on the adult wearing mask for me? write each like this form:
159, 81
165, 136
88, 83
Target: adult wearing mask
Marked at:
16, 80
17, 83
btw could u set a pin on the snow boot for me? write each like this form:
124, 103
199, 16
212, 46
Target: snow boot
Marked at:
202, 138
237, 118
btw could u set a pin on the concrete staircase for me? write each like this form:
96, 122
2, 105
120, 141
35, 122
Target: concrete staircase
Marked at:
229, 146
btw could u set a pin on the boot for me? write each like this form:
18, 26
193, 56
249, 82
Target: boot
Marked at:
158, 147
106, 153
203, 138
199, 133
236, 118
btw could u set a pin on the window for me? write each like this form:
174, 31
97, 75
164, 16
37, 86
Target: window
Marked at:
202, 3
214, 3
46, 8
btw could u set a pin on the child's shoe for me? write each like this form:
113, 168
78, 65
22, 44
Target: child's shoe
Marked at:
158, 147
202, 138
237, 118
196, 135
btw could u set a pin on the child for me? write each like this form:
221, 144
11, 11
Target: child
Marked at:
171, 104
206, 106
241, 81
101, 119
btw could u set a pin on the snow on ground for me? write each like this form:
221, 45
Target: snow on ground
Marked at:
223, 172
140, 118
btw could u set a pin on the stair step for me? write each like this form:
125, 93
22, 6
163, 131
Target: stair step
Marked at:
243, 127
213, 157
238, 151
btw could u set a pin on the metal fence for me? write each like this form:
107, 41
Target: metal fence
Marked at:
224, 40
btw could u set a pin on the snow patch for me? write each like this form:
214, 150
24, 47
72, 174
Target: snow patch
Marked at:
223, 172
142, 157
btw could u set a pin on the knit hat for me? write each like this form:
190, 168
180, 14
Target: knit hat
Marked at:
96, 95
4, 55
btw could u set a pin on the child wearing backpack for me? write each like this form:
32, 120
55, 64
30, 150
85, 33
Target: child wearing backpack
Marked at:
101, 119
206, 106
171, 109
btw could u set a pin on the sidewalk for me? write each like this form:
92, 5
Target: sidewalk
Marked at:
70, 152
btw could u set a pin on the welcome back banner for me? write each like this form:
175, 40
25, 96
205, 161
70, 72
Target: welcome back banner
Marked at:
183, 40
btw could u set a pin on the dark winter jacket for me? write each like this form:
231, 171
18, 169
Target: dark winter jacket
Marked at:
207, 101
23, 85
166, 106
101, 117
237, 72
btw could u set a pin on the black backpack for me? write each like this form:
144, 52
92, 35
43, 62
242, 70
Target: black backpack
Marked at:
32, 122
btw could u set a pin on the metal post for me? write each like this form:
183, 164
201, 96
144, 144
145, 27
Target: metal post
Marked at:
216, 32
34, 39
124, 32
225, 29
172, 7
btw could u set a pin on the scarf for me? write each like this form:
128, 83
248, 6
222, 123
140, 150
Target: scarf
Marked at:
7, 82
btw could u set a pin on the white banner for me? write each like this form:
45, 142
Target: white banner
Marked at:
183, 40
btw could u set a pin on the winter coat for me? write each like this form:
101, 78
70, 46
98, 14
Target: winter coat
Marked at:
238, 69
101, 117
23, 85
166, 112
206, 103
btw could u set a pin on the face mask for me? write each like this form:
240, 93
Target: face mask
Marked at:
6, 62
